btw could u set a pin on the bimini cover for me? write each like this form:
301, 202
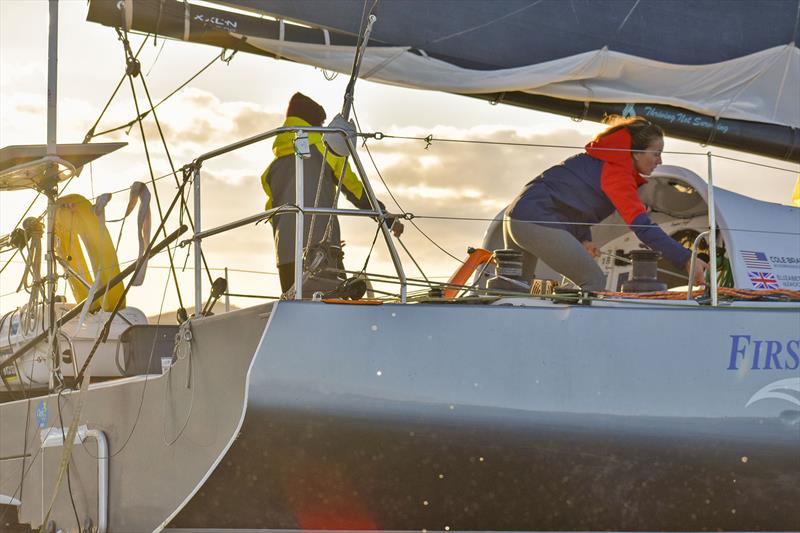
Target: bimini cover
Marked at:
762, 239
734, 59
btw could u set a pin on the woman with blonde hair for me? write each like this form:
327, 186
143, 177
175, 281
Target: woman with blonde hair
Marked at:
551, 218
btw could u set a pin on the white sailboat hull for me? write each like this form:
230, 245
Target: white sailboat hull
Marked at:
265, 425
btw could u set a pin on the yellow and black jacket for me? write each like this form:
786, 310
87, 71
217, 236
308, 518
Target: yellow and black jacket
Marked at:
278, 183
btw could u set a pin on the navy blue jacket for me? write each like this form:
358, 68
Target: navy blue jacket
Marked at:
587, 188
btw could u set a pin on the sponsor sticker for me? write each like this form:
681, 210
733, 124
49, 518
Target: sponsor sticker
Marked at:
41, 414
771, 271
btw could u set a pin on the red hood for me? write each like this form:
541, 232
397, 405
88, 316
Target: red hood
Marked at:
614, 149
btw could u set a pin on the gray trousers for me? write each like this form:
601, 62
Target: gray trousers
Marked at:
557, 247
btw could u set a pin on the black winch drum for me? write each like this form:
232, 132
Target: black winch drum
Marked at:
644, 275
509, 265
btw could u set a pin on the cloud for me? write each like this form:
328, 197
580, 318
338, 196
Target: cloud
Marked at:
470, 178
30, 109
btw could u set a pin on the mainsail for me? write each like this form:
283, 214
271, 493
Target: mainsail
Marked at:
721, 72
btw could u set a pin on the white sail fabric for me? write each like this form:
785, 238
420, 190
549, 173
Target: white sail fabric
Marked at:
760, 87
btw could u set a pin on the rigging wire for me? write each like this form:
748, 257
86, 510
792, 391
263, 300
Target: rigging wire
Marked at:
90, 134
184, 207
434, 217
603, 224
754, 163
394, 199
402, 244
140, 116
413, 260
430, 139
158, 55
131, 72
371, 248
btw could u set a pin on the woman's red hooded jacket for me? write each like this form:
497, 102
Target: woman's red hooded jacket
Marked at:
587, 188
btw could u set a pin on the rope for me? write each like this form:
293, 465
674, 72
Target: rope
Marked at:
316, 201
69, 482
725, 292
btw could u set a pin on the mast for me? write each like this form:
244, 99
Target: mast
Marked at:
50, 186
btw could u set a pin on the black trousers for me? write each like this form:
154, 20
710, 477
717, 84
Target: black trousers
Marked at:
286, 274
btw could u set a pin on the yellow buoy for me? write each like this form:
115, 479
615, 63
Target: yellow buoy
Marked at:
76, 224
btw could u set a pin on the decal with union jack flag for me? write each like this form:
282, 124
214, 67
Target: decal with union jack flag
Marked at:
763, 280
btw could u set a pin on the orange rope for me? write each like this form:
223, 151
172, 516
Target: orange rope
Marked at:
733, 294
365, 301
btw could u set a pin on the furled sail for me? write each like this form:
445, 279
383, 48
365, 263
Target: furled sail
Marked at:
723, 72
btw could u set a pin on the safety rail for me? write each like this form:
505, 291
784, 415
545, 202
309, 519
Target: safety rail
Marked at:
693, 261
712, 238
302, 151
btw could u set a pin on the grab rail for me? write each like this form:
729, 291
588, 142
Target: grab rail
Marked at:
54, 437
712, 236
693, 262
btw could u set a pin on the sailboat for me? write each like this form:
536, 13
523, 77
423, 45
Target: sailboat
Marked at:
502, 410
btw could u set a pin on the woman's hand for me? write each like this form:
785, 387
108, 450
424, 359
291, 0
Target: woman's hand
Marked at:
700, 269
590, 247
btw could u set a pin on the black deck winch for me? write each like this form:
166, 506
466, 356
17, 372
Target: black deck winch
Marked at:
644, 277
509, 272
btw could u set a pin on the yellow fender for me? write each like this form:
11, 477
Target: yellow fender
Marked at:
76, 224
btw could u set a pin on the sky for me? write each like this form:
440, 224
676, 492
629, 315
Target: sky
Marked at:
229, 102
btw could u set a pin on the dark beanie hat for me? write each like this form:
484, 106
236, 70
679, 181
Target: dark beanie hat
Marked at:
302, 106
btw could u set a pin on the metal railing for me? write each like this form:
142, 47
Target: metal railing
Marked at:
55, 437
302, 150
712, 238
